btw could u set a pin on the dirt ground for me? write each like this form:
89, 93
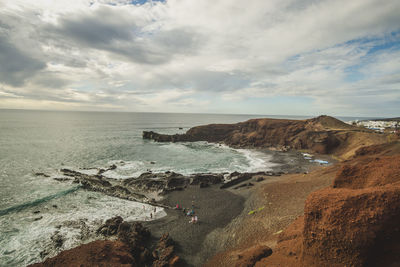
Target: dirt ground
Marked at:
270, 207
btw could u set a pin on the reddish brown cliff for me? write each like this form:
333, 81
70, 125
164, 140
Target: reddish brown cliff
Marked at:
355, 222
323, 134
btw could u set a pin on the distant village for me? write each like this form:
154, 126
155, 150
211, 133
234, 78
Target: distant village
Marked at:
387, 125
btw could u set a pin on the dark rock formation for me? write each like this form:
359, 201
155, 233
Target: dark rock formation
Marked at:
137, 188
112, 167
99, 183
57, 239
157, 182
206, 179
110, 227
236, 177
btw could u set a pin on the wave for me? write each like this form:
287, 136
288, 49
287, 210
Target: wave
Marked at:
36, 202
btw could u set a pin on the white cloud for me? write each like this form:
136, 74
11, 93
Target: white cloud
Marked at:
184, 55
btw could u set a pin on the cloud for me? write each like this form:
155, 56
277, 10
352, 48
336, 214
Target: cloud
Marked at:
123, 34
16, 66
341, 56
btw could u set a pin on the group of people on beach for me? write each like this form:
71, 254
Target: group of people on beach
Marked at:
189, 212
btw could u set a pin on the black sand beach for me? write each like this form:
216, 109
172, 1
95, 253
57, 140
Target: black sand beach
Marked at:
214, 207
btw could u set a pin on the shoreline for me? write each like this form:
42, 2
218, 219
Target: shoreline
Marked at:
198, 243
268, 210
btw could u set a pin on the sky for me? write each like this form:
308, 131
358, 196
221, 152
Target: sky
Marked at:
286, 57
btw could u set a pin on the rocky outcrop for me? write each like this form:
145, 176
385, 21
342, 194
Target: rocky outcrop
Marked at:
164, 252
157, 182
323, 134
237, 177
132, 248
110, 227
99, 183
355, 222
137, 188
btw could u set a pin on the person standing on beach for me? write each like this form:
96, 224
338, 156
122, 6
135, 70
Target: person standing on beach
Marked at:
151, 215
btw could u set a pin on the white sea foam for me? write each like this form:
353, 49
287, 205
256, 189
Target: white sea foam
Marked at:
230, 160
89, 171
258, 161
26, 238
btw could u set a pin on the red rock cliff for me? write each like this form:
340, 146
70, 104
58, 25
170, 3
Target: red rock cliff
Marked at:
355, 222
323, 134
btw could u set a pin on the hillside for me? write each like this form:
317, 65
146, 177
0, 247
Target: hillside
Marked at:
323, 134
351, 222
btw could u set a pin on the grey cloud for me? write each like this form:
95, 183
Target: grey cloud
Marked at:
218, 81
104, 30
49, 80
15, 65
94, 31
198, 80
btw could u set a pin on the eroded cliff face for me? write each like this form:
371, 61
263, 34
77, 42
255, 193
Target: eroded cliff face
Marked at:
355, 222
324, 134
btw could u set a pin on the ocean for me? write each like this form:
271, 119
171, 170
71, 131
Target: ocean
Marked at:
34, 207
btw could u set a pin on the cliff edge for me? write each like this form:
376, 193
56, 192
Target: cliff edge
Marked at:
323, 134
353, 222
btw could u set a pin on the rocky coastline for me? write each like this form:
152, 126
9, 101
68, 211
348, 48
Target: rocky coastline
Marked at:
258, 219
150, 187
322, 135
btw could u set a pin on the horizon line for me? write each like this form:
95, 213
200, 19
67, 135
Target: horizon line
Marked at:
199, 113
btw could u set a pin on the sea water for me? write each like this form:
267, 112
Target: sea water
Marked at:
33, 207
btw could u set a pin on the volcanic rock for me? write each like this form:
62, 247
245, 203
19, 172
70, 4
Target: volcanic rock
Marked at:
353, 223
323, 134
164, 252
206, 179
110, 227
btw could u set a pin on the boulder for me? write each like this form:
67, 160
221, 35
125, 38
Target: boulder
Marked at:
249, 257
110, 227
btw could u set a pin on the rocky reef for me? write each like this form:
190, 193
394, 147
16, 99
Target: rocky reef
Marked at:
149, 186
324, 134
